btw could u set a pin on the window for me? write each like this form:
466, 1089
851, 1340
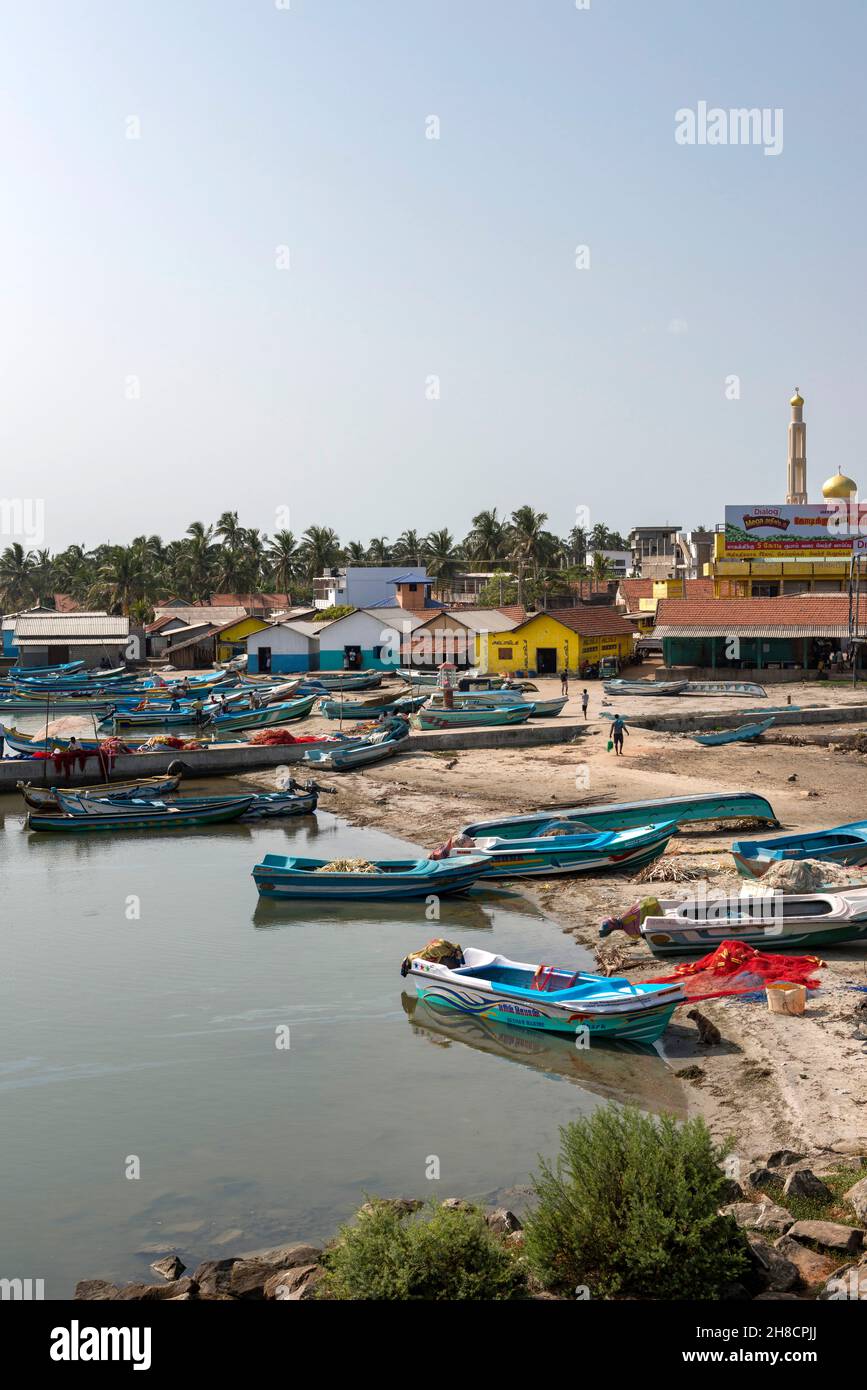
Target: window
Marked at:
504, 653
413, 588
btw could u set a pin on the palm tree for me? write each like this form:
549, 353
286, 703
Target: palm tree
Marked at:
378, 552
321, 548
528, 542
194, 561
119, 580
18, 571
442, 557
355, 553
408, 548
285, 560
487, 543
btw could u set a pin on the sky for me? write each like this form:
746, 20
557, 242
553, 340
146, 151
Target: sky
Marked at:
237, 273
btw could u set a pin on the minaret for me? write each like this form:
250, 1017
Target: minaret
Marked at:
796, 489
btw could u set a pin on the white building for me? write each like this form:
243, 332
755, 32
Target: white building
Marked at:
362, 585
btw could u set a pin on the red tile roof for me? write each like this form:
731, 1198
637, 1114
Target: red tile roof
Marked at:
591, 620
634, 589
274, 601
789, 610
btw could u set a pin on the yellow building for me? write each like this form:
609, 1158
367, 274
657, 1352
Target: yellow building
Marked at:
564, 639
231, 640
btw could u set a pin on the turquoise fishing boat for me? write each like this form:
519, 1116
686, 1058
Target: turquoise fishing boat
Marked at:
356, 709
401, 880
361, 752
428, 718
703, 806
603, 851
745, 733
497, 699
45, 798
845, 844
268, 717
30, 745
85, 814
550, 998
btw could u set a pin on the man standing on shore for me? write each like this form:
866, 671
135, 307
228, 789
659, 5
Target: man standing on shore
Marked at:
618, 729
564, 682
585, 701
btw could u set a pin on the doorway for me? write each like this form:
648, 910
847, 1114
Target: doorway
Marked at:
352, 658
546, 661
264, 655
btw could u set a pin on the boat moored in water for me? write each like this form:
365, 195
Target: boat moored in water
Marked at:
282, 876
84, 814
561, 851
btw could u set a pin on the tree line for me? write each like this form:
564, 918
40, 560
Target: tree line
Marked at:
526, 560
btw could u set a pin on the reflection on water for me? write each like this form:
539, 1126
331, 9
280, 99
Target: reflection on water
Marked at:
142, 994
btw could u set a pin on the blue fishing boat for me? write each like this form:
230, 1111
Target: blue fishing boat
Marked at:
45, 798
703, 806
745, 733
360, 752
845, 844
63, 669
442, 718
356, 709
29, 744
265, 718
85, 814
551, 998
279, 876
562, 852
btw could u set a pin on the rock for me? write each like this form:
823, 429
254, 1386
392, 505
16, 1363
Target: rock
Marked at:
778, 1274
170, 1267
247, 1278
793, 777
850, 1282
456, 1204
230, 1237
763, 1177
402, 1205
294, 1285
857, 1198
502, 1221
213, 1276
830, 1234
732, 1191
759, 1216
858, 1147
812, 1268
734, 1292
804, 1183
780, 1158
88, 1290
285, 1256
156, 1293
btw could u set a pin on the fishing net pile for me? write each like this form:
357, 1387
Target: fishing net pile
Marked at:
347, 866
809, 875
735, 968
440, 951
168, 741
275, 737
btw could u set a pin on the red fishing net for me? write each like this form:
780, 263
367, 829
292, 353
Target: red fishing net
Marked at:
735, 968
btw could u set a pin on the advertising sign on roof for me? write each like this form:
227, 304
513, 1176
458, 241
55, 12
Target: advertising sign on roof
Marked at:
809, 531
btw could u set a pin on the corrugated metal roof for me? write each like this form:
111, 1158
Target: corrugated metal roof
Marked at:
71, 627
764, 630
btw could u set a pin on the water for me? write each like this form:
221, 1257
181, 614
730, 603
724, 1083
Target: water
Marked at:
153, 1037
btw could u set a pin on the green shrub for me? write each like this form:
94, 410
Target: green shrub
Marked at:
630, 1210
441, 1253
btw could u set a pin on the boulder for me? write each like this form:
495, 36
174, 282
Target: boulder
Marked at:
759, 1216
780, 1158
502, 1221
858, 1147
830, 1234
763, 1177
732, 1191
402, 1205
87, 1290
285, 1256
778, 1274
156, 1293
812, 1268
212, 1276
857, 1197
247, 1278
802, 1182
294, 1285
170, 1267
456, 1204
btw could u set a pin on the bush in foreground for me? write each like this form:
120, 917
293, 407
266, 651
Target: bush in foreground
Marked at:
630, 1210
442, 1253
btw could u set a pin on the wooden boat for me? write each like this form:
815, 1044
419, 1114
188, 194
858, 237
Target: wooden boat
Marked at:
745, 733
63, 669
623, 687
346, 680
598, 852
156, 717
427, 718
498, 699
353, 709
844, 844
292, 801
84, 814
621, 815
279, 876
29, 744
45, 798
552, 998
267, 717
384, 743
746, 689
768, 921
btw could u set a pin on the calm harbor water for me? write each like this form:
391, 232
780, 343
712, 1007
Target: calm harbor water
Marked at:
142, 988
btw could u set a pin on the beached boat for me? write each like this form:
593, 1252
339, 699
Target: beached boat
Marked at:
745, 733
45, 798
30, 744
569, 853
384, 743
357, 709
767, 921
283, 713
497, 699
844, 844
704, 806
553, 998
279, 876
624, 687
746, 689
84, 814
346, 680
63, 669
428, 718
157, 716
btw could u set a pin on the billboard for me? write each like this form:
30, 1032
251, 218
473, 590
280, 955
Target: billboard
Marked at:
813, 530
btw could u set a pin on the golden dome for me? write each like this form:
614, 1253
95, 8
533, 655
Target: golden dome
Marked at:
797, 399
839, 486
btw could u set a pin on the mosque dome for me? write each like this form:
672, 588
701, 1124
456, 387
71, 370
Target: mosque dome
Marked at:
839, 486
797, 399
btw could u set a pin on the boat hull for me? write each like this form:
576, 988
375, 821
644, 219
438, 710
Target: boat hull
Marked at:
745, 734
626, 814
144, 819
288, 881
470, 718
579, 854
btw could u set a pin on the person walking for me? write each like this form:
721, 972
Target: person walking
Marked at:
618, 729
564, 682
585, 701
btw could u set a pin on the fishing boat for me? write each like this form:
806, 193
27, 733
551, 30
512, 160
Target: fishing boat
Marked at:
384, 743
497, 699
746, 689
357, 709
767, 921
270, 715
428, 718
30, 745
84, 814
45, 798
745, 733
291, 801
552, 998
346, 680
703, 806
157, 716
561, 852
279, 876
844, 844
65, 668
624, 687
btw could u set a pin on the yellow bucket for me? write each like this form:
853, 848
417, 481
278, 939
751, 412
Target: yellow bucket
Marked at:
786, 998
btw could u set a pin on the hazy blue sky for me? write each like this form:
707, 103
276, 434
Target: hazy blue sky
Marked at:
264, 388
